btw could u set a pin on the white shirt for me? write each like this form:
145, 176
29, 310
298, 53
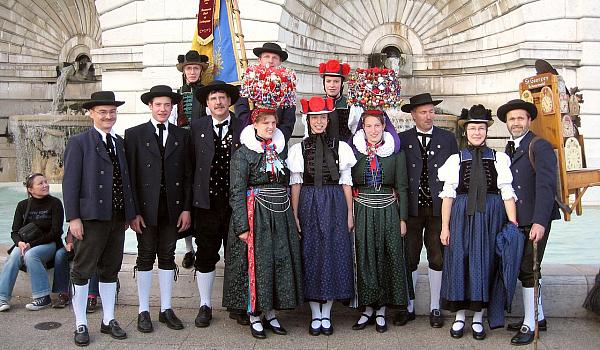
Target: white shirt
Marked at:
103, 135
427, 139
165, 132
518, 140
225, 127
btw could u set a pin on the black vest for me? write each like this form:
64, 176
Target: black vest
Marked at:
488, 158
117, 182
219, 168
425, 199
308, 152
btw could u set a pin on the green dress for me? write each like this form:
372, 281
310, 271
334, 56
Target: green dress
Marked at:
277, 258
381, 274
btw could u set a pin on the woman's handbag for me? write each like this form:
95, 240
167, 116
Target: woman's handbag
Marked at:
29, 232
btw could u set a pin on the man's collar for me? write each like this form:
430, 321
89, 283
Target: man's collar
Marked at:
215, 121
424, 132
519, 139
103, 134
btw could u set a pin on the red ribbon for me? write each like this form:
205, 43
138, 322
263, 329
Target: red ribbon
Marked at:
205, 19
250, 242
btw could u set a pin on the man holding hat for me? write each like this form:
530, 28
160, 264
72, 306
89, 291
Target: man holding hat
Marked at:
98, 205
534, 181
427, 148
214, 139
158, 156
269, 55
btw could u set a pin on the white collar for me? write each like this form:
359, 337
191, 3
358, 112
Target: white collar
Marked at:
103, 134
519, 139
248, 138
155, 123
215, 121
360, 142
424, 132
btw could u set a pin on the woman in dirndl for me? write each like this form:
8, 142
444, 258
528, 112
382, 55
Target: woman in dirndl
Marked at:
477, 201
263, 268
380, 213
321, 182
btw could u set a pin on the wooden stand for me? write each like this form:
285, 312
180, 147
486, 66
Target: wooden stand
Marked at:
548, 125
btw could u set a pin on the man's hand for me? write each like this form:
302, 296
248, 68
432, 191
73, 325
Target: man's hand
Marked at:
137, 224
537, 232
76, 228
184, 221
244, 236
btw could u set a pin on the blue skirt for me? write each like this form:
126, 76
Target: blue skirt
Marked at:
326, 244
469, 259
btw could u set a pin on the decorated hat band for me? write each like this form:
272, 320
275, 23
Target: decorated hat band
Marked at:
334, 68
317, 105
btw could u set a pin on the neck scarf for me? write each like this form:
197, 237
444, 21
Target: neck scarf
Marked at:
273, 164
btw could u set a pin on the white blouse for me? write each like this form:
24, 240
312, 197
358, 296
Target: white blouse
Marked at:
449, 173
295, 163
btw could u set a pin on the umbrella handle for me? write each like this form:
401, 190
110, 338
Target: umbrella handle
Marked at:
536, 291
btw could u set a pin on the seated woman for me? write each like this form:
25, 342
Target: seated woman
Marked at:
477, 198
45, 212
380, 213
263, 268
321, 183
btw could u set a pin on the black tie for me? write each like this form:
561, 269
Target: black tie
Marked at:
220, 126
161, 128
110, 144
510, 148
424, 137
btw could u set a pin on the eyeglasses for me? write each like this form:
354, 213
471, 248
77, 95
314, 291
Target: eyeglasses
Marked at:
105, 113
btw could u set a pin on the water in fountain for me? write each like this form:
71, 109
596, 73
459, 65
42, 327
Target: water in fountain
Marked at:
61, 84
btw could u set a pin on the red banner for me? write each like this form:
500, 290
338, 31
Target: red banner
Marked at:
206, 21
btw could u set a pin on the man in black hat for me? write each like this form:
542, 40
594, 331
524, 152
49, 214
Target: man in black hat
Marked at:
158, 156
98, 205
214, 138
534, 182
270, 55
192, 65
427, 148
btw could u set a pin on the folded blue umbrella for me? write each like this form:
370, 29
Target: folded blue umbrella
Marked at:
510, 243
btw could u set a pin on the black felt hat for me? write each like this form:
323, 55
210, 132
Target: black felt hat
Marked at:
273, 48
516, 104
542, 66
192, 57
419, 100
158, 91
217, 85
476, 114
101, 98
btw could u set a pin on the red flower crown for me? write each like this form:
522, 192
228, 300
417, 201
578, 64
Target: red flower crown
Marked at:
334, 67
317, 105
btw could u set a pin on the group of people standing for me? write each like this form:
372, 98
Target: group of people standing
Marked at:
340, 216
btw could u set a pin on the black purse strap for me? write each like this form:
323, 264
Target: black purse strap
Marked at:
27, 211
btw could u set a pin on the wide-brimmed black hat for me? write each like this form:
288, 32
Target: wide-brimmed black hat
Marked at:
419, 100
101, 98
158, 91
217, 85
192, 57
273, 48
476, 114
516, 104
542, 66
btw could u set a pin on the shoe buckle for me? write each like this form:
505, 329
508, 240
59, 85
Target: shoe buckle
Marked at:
525, 329
80, 329
436, 312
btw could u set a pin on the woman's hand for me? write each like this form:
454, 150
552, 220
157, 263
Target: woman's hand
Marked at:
244, 237
403, 228
298, 224
350, 222
69, 247
445, 236
24, 247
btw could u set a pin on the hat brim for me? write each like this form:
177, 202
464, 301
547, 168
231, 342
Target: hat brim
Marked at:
148, 96
543, 66
259, 50
407, 108
321, 112
462, 122
231, 91
504, 109
94, 103
180, 66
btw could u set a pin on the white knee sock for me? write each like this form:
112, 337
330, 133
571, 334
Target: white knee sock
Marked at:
326, 313
435, 285
205, 282
255, 323
79, 300
270, 315
411, 302
478, 317
315, 310
529, 308
144, 284
189, 247
108, 293
165, 281
460, 316
540, 308
381, 312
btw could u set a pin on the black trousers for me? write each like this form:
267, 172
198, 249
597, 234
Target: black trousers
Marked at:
526, 270
100, 250
424, 228
158, 241
212, 226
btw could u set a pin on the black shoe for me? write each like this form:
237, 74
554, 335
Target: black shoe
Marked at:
542, 325
240, 318
314, 331
402, 317
326, 330
525, 336
370, 320
113, 329
378, 328
436, 320
204, 317
188, 260
257, 334
169, 318
459, 333
92, 302
144, 323
81, 337
277, 330
478, 335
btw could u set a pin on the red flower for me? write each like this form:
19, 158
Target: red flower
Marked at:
304, 103
333, 66
345, 69
322, 67
316, 104
329, 103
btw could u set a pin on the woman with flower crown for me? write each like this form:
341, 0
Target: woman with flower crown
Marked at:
322, 202
263, 268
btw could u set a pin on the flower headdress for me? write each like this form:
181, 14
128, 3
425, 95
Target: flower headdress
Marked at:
269, 87
334, 68
374, 89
